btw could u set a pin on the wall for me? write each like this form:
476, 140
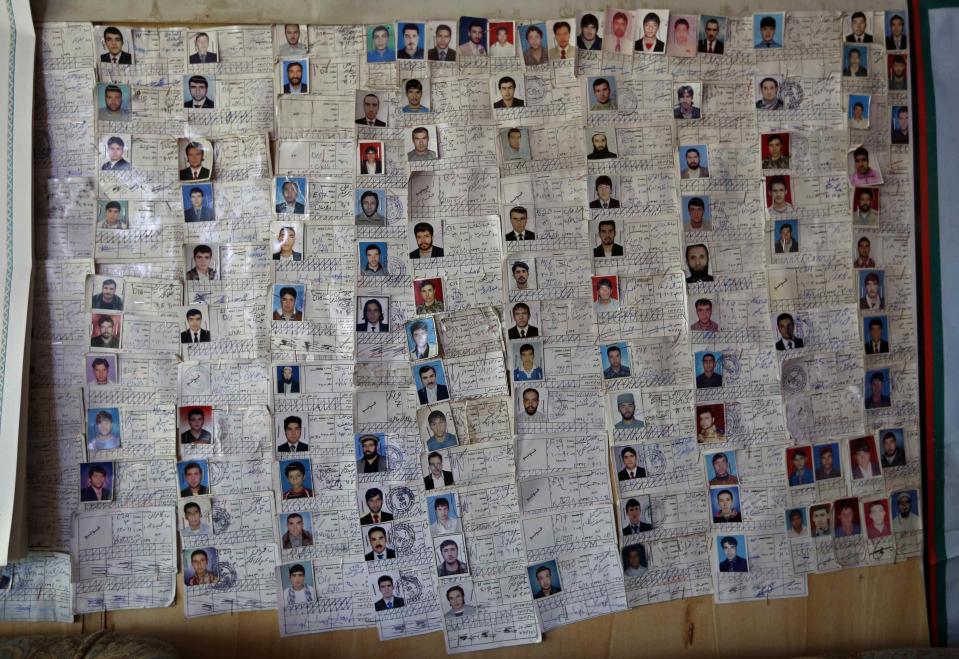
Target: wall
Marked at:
867, 608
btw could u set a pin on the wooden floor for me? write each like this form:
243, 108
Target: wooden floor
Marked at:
868, 608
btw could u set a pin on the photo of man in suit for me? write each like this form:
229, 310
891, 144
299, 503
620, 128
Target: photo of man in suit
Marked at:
199, 86
296, 535
202, 54
200, 209
431, 391
107, 298
196, 433
374, 502
293, 430
521, 327
425, 249
389, 601
291, 192
786, 243
631, 468
96, 489
518, 218
787, 328
294, 74
442, 52
113, 40
194, 171
202, 260
194, 332
411, 42
892, 455
372, 318
116, 161
712, 44
733, 562
371, 108
709, 377
634, 523
437, 476
875, 344
380, 548
607, 241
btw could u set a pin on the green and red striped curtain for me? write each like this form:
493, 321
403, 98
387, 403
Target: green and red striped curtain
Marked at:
935, 69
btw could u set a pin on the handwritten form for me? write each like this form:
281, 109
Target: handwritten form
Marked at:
489, 344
